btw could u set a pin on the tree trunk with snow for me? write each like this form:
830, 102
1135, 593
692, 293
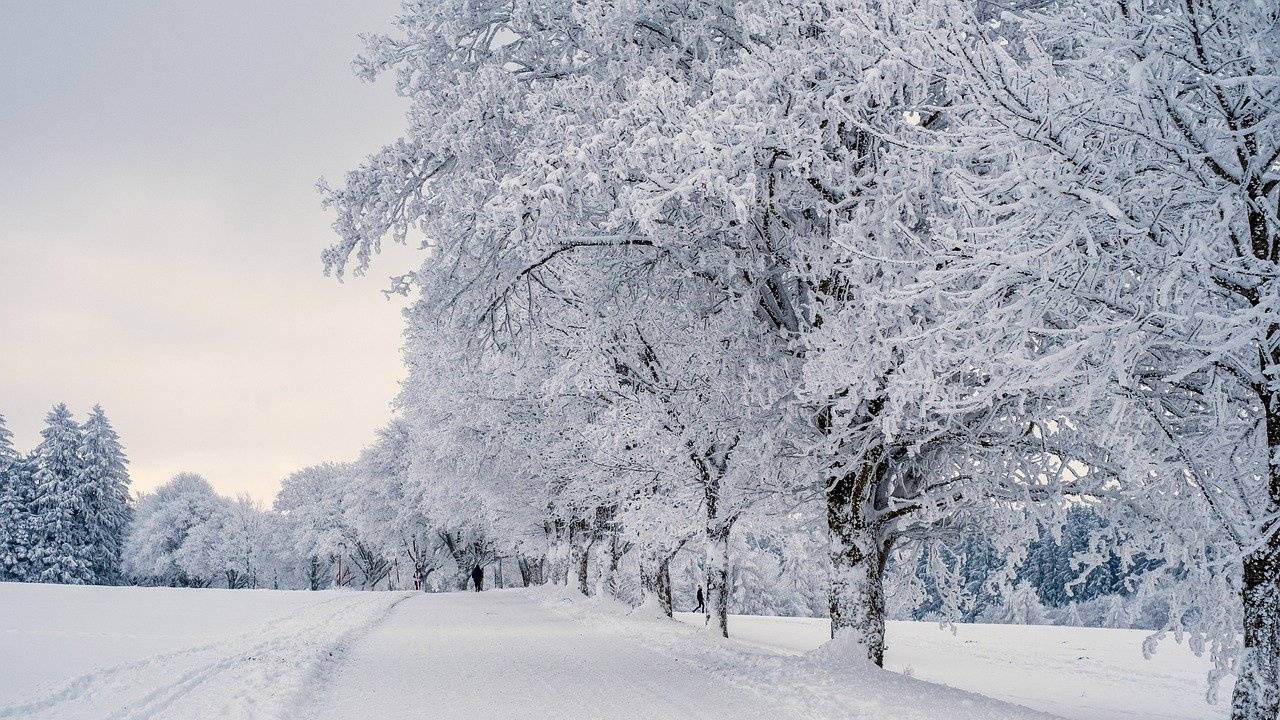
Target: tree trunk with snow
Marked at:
718, 578
530, 569
558, 552
664, 585
712, 467
315, 572
582, 568
1257, 690
655, 578
580, 540
858, 555
342, 576
608, 551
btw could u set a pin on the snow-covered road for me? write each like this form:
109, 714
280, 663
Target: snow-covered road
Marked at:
500, 655
548, 654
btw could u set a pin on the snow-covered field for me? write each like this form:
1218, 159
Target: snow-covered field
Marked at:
71, 652
85, 652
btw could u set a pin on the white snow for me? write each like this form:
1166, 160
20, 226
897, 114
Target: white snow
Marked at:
79, 652
70, 652
1078, 673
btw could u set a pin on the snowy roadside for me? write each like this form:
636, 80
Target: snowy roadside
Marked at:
1075, 672
824, 683
262, 667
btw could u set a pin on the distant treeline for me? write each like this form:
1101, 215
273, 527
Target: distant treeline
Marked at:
66, 517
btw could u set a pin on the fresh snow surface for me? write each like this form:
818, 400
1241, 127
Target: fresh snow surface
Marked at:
1077, 673
88, 652
69, 652
550, 653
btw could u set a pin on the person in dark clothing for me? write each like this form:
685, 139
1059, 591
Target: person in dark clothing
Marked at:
702, 606
477, 577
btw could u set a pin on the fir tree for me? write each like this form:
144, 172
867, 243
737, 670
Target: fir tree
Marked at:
60, 551
18, 536
106, 490
1023, 606
8, 455
15, 500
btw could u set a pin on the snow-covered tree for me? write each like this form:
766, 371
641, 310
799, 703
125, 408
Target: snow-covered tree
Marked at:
233, 544
654, 162
1122, 191
8, 455
385, 509
61, 550
1022, 606
944, 261
16, 495
156, 548
109, 510
310, 503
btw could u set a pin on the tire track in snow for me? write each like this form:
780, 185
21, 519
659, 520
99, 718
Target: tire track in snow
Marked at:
80, 685
248, 676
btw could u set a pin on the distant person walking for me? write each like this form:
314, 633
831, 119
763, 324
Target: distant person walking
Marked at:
702, 605
477, 577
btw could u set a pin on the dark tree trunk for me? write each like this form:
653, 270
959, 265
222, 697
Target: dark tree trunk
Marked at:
1257, 690
580, 552
608, 556
712, 466
530, 569
315, 573
616, 550
342, 575
607, 550
583, 572
664, 586
858, 554
655, 578
373, 567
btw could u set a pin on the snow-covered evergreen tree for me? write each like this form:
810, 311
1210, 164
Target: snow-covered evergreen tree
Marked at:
16, 493
1023, 606
109, 509
61, 549
8, 456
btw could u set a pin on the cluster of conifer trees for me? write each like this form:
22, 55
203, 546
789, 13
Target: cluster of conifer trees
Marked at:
65, 507
1064, 576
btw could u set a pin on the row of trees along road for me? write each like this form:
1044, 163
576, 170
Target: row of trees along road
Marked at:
65, 507
905, 268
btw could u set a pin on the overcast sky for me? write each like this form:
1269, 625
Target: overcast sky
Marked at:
160, 234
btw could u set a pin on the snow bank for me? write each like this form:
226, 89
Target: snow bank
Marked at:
817, 686
1078, 673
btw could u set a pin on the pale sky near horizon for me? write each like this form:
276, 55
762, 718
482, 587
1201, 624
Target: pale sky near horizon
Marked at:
160, 233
